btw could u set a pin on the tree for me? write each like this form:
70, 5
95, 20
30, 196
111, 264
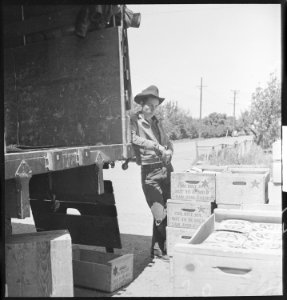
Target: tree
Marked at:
266, 112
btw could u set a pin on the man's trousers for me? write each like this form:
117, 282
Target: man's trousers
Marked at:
156, 187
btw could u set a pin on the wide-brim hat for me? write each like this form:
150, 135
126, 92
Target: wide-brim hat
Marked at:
150, 91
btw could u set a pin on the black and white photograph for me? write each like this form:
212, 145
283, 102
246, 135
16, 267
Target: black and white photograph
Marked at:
144, 149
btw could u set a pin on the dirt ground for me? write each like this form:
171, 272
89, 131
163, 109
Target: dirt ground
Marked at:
151, 278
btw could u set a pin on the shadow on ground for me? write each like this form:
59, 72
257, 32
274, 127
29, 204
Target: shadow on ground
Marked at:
138, 245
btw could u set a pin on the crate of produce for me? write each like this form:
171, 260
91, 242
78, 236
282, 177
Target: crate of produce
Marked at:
39, 264
185, 214
193, 187
176, 235
101, 271
242, 185
234, 253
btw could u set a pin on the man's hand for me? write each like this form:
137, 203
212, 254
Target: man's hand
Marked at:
166, 156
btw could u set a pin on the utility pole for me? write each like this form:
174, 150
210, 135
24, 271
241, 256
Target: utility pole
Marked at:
234, 104
201, 86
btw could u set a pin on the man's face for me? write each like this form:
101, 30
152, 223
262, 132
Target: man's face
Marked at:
149, 106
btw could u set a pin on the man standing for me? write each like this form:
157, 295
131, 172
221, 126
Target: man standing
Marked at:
153, 151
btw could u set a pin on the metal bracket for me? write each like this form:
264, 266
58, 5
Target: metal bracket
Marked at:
23, 170
22, 177
99, 163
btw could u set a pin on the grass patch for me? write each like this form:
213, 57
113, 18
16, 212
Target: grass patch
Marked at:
233, 156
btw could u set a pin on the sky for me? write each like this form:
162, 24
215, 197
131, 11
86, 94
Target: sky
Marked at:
229, 46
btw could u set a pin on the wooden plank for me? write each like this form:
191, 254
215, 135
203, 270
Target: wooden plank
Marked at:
39, 265
37, 165
44, 22
277, 171
77, 184
100, 227
38, 160
254, 216
10, 99
204, 230
11, 13
75, 82
208, 168
274, 193
276, 150
208, 276
17, 198
246, 206
95, 209
193, 187
33, 10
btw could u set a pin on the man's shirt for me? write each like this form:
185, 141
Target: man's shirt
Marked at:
146, 138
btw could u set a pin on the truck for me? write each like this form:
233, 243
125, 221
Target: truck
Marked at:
67, 96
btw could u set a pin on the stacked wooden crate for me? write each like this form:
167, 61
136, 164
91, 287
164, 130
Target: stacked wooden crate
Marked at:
191, 203
276, 162
241, 186
234, 253
39, 264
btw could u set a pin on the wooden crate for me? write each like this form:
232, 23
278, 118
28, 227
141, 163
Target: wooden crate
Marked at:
274, 193
39, 264
238, 186
202, 269
185, 214
176, 235
192, 187
276, 150
102, 271
246, 206
276, 171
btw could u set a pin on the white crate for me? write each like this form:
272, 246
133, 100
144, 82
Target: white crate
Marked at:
193, 187
39, 264
274, 193
176, 235
202, 269
276, 150
265, 206
102, 271
241, 185
185, 214
276, 171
